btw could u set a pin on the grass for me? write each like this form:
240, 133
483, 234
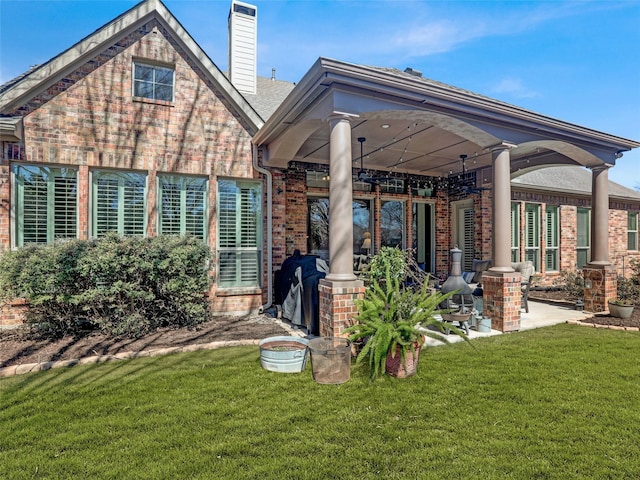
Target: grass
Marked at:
559, 402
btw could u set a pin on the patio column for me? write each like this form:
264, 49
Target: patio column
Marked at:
599, 275
501, 241
340, 201
502, 285
340, 288
600, 215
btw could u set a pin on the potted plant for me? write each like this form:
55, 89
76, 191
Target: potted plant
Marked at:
393, 321
628, 293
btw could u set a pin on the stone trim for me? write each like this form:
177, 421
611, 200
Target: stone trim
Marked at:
39, 367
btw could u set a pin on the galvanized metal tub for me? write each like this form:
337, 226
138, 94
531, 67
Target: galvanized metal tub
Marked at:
284, 354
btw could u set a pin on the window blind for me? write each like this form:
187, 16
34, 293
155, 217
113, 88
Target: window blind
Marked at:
119, 203
552, 240
182, 206
239, 233
46, 204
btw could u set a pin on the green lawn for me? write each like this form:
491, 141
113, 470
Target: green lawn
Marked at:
560, 402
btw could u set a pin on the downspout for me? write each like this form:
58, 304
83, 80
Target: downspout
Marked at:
269, 178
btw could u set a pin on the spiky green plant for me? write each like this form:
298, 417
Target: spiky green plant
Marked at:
391, 315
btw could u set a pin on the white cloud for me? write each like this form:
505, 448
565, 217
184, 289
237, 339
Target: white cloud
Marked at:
514, 87
435, 37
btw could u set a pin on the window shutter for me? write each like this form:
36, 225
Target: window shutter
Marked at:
239, 233
46, 207
134, 194
532, 237
632, 231
469, 247
552, 240
119, 203
106, 205
583, 238
35, 209
65, 207
183, 205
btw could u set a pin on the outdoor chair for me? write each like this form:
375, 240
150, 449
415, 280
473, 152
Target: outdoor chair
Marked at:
525, 295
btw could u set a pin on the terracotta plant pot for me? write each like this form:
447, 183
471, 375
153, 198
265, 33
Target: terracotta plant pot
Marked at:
395, 368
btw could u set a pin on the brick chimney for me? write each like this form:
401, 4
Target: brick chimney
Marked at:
243, 42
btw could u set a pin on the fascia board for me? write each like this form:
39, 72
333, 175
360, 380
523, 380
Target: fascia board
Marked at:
11, 129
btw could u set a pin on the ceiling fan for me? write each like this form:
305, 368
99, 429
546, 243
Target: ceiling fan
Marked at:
466, 185
473, 190
363, 176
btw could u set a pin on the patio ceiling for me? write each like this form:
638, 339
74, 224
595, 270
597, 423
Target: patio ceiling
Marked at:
416, 126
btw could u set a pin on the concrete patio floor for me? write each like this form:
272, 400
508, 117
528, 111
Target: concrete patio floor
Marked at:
540, 315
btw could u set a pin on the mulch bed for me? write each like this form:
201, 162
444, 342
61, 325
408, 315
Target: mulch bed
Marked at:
17, 347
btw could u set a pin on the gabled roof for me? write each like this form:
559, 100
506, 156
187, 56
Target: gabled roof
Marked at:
571, 180
270, 94
21, 89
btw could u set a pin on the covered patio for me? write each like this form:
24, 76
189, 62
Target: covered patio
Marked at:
365, 123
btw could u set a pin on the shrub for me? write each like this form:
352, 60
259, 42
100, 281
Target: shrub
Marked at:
628, 290
399, 264
635, 267
571, 284
124, 286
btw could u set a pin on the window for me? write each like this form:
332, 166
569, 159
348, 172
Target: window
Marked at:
632, 231
532, 234
515, 232
182, 206
583, 242
551, 255
152, 81
423, 235
392, 223
119, 203
240, 233
318, 227
46, 204
392, 185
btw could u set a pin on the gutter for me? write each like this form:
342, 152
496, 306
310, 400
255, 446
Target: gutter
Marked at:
269, 178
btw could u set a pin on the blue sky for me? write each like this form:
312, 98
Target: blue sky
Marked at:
578, 61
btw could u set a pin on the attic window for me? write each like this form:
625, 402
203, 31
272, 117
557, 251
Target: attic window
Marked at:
153, 81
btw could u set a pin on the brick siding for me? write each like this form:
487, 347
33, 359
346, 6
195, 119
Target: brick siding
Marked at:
89, 119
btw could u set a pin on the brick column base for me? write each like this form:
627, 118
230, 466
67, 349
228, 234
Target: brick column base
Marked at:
600, 285
13, 313
337, 305
502, 300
